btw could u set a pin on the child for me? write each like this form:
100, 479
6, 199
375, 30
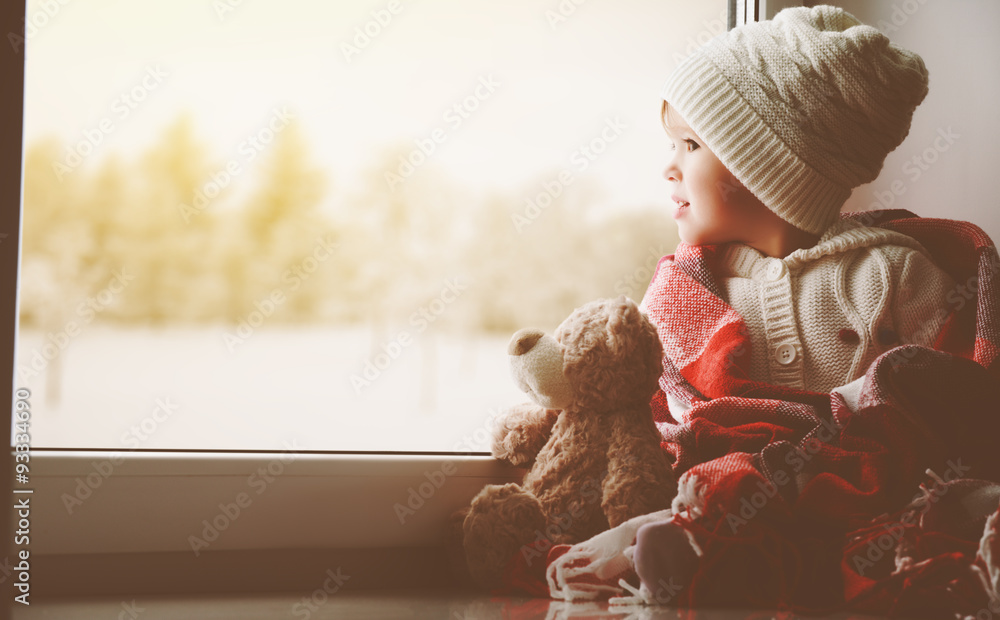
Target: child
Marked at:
772, 125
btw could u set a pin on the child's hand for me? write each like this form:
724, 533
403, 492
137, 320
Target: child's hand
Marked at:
600, 559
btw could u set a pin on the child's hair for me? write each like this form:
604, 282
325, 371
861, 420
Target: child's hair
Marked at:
801, 109
663, 114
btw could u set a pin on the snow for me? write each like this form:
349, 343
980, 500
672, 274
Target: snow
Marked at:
184, 388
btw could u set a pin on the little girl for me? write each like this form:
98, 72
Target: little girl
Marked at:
772, 125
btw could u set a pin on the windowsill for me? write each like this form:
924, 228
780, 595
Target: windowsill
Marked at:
104, 502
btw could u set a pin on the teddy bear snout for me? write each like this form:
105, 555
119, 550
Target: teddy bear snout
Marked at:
523, 341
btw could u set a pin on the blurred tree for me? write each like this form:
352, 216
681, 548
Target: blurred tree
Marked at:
403, 239
283, 241
70, 230
493, 254
55, 240
532, 254
537, 257
632, 241
165, 234
206, 240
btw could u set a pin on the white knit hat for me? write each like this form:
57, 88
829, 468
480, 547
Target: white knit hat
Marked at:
802, 108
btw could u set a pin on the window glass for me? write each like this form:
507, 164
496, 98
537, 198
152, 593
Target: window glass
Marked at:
245, 222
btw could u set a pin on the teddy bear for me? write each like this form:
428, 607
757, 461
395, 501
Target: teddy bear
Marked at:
588, 436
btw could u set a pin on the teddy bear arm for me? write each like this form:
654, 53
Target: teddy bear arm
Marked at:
522, 433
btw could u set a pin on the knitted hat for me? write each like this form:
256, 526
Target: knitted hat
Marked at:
802, 108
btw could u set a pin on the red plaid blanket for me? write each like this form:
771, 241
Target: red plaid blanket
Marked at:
798, 487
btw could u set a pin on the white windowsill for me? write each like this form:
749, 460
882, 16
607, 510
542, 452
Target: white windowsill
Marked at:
155, 501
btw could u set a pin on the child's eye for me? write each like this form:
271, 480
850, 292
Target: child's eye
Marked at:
691, 145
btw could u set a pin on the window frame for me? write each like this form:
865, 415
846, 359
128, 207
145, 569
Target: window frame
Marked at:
174, 483
742, 12
11, 182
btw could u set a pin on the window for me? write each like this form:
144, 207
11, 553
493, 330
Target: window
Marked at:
247, 224
233, 209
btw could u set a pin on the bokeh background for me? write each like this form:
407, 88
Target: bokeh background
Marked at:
251, 222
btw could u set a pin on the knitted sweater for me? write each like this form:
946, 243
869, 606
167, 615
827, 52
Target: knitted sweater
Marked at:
817, 318
820, 316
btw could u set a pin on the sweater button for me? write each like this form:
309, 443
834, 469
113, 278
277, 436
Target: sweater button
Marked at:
775, 269
785, 354
849, 336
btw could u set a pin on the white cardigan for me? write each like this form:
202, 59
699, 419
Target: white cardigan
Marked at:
818, 317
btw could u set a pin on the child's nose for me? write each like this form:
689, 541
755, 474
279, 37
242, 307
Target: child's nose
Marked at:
672, 172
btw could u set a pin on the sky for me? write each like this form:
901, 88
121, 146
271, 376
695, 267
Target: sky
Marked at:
551, 76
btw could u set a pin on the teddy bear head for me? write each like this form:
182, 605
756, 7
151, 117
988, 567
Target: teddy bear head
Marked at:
605, 355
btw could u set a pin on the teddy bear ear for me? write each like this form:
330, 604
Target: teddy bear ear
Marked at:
621, 313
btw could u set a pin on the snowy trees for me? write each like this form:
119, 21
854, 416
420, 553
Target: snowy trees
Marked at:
205, 239
177, 235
